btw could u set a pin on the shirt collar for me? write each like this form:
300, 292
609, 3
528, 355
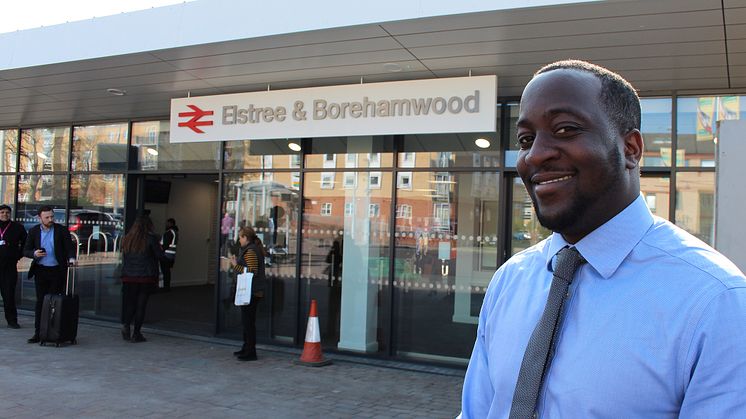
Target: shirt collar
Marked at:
607, 246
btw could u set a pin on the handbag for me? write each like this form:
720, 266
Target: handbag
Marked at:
243, 288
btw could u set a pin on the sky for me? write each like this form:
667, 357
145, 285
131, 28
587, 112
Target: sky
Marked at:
27, 14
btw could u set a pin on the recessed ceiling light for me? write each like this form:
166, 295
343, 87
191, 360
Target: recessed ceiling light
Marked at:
482, 143
116, 92
294, 146
392, 67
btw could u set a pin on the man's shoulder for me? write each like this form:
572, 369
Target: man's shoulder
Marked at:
688, 253
60, 228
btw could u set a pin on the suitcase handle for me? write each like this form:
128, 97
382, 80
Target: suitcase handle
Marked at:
70, 281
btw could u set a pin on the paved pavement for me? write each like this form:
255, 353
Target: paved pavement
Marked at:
173, 375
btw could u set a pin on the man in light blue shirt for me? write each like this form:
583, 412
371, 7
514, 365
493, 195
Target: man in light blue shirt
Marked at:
51, 249
654, 324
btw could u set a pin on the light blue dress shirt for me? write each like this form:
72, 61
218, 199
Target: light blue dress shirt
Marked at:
47, 242
655, 327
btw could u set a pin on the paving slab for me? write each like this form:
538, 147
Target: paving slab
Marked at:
174, 375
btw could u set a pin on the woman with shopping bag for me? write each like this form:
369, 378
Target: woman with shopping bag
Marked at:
250, 259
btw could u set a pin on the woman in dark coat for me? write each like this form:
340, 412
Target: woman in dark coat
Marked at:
141, 254
250, 256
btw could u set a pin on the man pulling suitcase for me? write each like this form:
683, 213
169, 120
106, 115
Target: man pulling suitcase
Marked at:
51, 247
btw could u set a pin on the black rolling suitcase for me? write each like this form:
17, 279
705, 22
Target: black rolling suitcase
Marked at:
59, 314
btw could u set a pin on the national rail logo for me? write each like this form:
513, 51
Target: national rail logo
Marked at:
195, 121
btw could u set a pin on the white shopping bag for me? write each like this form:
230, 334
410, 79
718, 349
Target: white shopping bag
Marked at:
243, 288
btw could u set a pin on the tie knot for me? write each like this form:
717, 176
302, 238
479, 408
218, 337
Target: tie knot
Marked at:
568, 261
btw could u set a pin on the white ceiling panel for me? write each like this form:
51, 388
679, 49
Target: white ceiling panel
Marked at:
737, 31
295, 52
571, 28
737, 71
737, 58
308, 63
736, 46
352, 72
550, 14
733, 3
70, 67
736, 15
102, 74
618, 64
268, 43
126, 83
605, 40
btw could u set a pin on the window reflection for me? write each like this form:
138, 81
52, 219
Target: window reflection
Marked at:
446, 253
100, 147
96, 223
262, 154
695, 204
8, 191
451, 150
350, 152
45, 149
656, 192
526, 230
696, 127
656, 131
9, 149
511, 154
155, 152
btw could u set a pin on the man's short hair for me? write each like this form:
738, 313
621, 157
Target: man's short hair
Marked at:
618, 98
171, 221
45, 208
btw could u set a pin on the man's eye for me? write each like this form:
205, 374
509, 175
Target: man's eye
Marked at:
525, 141
566, 130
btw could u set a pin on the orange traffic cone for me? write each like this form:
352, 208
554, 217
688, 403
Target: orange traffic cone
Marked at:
312, 356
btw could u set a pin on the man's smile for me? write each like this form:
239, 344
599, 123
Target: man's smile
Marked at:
560, 179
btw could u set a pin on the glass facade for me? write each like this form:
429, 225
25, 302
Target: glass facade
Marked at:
396, 237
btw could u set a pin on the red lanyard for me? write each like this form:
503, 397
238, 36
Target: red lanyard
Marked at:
2, 232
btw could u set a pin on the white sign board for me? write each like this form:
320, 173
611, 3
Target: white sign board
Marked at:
463, 104
730, 228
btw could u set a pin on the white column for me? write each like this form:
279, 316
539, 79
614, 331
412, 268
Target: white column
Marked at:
359, 308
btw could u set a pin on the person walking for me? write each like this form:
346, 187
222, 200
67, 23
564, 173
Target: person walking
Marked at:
12, 239
168, 244
140, 256
51, 247
250, 256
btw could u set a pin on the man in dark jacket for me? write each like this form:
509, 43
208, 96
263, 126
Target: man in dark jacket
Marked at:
51, 248
12, 238
168, 244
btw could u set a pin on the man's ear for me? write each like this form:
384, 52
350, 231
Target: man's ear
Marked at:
633, 148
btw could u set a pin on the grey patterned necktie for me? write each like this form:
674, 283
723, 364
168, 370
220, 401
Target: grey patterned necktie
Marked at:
537, 356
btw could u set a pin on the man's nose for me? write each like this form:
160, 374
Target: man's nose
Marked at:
542, 149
